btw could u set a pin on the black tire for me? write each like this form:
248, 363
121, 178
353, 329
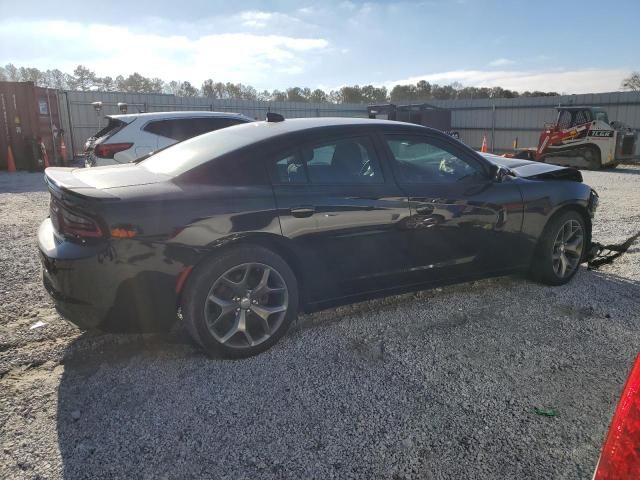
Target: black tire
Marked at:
592, 156
542, 268
202, 280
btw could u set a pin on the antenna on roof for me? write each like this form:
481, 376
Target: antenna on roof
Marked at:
274, 117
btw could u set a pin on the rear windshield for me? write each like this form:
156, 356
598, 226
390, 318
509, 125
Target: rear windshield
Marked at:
111, 128
190, 153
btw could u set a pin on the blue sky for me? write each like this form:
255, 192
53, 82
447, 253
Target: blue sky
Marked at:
563, 46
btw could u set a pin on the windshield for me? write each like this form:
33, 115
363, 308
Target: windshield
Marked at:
600, 115
190, 153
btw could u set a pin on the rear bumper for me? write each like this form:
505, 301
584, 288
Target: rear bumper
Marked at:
94, 288
67, 271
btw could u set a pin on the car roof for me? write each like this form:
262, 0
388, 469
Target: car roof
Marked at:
257, 131
190, 153
178, 114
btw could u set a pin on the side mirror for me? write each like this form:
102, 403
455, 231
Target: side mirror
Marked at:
499, 173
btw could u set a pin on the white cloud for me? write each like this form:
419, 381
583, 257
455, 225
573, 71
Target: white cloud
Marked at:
348, 4
592, 80
109, 50
501, 62
255, 18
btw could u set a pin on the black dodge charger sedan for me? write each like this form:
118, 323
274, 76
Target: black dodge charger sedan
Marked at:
242, 228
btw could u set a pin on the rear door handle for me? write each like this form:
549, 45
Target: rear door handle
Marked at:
303, 212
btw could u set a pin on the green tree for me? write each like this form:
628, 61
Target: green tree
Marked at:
264, 95
423, 90
187, 90
318, 96
278, 96
371, 94
247, 92
351, 94
296, 94
11, 72
156, 85
82, 79
207, 89
632, 82
403, 93
29, 74
56, 79
106, 84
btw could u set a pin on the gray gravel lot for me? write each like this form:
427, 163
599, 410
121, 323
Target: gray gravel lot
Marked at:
440, 384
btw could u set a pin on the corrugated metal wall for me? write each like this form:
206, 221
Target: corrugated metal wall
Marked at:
501, 120
504, 119
85, 122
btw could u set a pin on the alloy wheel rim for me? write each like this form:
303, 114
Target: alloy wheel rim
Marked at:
246, 305
567, 249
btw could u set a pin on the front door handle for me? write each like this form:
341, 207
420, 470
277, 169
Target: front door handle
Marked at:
303, 212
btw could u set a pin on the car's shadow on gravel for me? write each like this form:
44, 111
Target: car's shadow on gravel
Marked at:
404, 387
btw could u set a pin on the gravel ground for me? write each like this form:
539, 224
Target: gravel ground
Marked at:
440, 384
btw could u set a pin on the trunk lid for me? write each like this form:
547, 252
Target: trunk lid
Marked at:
98, 181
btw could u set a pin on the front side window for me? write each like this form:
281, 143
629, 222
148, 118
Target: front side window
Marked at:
343, 161
582, 116
288, 168
420, 160
564, 119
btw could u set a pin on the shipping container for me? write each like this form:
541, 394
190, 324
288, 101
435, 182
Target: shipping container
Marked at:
30, 119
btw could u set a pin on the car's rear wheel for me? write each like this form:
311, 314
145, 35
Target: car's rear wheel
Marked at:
561, 249
240, 302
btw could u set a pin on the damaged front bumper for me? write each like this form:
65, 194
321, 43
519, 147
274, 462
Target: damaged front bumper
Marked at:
600, 254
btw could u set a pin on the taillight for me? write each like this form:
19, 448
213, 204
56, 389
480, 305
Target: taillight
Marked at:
108, 150
73, 224
620, 457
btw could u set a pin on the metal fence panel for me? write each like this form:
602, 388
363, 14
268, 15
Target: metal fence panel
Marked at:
82, 121
524, 118
499, 119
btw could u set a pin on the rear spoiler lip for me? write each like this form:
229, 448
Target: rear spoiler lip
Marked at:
60, 180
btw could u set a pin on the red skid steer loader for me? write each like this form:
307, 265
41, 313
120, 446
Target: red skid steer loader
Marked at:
583, 137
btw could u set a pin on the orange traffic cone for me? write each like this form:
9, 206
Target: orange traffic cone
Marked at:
11, 162
484, 148
63, 151
45, 157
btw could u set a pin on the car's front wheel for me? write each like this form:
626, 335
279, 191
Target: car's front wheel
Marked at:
240, 302
561, 249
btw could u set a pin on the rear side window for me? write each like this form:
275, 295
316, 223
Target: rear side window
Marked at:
180, 129
237, 169
343, 161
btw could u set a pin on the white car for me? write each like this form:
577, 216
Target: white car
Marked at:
129, 137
